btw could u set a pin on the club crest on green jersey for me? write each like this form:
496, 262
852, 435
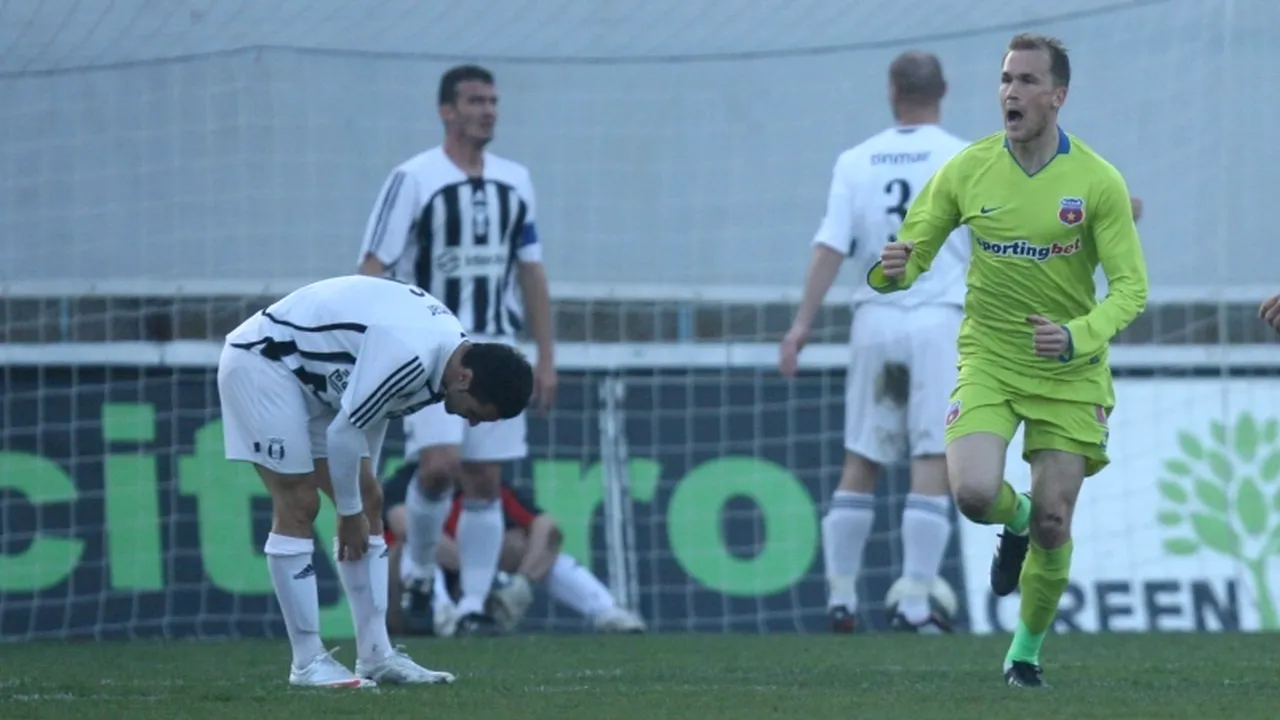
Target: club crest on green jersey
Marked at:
1071, 211
953, 412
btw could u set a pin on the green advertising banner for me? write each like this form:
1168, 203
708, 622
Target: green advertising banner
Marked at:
122, 517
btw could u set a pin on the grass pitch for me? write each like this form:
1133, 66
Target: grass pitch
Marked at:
742, 677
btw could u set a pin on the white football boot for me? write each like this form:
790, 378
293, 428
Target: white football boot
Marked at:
618, 620
399, 669
325, 672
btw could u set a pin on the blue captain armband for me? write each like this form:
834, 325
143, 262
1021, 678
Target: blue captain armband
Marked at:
528, 235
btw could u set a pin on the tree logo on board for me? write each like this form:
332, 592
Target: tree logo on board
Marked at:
1222, 494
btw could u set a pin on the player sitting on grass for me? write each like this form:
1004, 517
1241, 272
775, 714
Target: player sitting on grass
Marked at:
530, 554
307, 388
1044, 210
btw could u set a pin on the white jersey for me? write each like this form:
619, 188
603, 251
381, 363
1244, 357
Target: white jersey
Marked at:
372, 347
458, 237
872, 186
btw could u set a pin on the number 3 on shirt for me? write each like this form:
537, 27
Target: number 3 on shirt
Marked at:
899, 192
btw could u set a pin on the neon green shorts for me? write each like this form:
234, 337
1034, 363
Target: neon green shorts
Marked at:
1050, 424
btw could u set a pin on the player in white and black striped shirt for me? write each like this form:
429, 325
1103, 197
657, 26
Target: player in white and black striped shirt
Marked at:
460, 223
307, 387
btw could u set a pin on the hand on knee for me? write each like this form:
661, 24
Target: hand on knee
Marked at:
1050, 525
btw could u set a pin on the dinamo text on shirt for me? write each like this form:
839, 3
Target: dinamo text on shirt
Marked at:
1037, 241
372, 347
459, 238
872, 186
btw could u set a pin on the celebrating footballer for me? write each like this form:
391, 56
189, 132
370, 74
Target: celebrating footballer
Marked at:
1044, 211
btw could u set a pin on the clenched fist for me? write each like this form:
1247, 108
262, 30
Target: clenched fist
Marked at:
1049, 339
893, 259
1270, 312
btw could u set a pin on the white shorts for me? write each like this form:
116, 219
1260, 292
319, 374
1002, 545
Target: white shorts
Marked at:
487, 442
901, 374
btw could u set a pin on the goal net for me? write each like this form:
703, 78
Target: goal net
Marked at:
168, 173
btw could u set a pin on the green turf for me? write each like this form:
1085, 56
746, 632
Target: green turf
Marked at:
674, 676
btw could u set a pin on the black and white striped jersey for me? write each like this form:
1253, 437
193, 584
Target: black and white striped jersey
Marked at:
373, 347
458, 237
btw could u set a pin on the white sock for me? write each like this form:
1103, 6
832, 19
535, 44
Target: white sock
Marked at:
294, 577
926, 532
365, 582
425, 522
440, 587
845, 529
479, 537
577, 587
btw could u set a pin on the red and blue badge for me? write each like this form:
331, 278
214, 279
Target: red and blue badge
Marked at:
1071, 211
953, 412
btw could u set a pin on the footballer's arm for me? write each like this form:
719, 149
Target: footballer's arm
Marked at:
535, 291
930, 220
824, 266
536, 294
545, 541
1120, 254
834, 240
390, 223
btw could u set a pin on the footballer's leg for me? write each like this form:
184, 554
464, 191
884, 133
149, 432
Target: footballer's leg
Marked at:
1065, 442
395, 491
486, 448
366, 584
980, 421
926, 515
393, 518
265, 422
876, 391
435, 437
479, 536
571, 584
444, 599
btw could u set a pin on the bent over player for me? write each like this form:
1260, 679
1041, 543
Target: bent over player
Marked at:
307, 387
459, 222
903, 359
1044, 211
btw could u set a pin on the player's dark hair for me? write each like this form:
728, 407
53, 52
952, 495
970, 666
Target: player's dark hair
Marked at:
917, 78
1059, 63
500, 376
455, 76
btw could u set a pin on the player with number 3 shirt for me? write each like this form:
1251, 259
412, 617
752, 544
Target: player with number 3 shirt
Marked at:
903, 350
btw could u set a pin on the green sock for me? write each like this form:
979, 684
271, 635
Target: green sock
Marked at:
1044, 578
1011, 509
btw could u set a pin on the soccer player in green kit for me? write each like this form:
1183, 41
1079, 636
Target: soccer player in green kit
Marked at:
1044, 211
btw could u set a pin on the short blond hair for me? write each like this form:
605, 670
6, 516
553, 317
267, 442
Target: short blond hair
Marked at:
1059, 63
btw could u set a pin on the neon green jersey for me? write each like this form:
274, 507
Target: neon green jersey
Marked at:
1037, 240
